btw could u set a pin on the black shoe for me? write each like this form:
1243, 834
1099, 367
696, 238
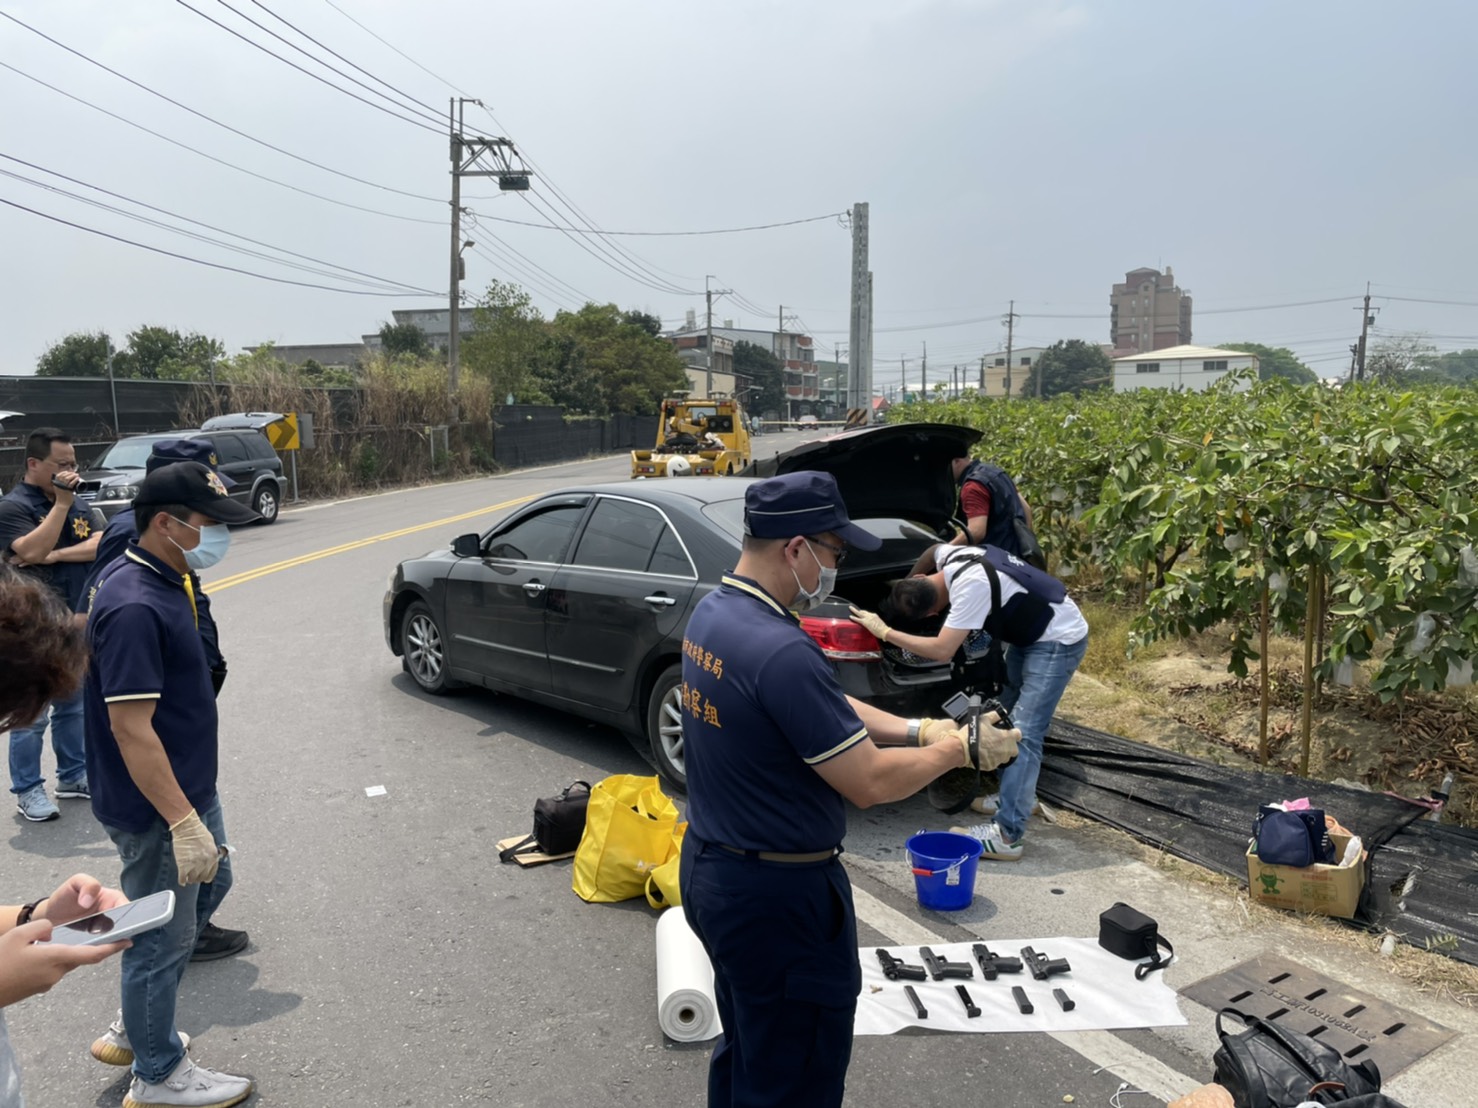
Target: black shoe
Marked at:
217, 942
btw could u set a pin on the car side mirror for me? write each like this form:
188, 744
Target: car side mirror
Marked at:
467, 546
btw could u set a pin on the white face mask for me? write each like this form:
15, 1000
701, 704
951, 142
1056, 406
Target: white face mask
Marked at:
807, 599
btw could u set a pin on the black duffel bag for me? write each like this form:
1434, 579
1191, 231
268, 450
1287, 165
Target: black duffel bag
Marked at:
1269, 1066
559, 821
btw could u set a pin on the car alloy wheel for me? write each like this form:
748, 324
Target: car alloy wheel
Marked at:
266, 503
425, 649
665, 727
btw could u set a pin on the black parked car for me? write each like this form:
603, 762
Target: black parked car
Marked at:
579, 600
242, 452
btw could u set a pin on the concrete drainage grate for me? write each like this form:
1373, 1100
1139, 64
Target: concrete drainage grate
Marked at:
1359, 1025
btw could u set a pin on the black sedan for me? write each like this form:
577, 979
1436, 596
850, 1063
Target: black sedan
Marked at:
579, 600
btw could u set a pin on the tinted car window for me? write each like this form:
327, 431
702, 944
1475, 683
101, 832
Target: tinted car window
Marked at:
620, 535
259, 448
669, 557
128, 453
538, 538
229, 448
728, 514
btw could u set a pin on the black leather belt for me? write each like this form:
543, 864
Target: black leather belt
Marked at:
778, 856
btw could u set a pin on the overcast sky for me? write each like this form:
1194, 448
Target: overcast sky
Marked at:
1034, 150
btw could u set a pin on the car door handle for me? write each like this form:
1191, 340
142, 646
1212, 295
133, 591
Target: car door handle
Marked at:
663, 601
533, 588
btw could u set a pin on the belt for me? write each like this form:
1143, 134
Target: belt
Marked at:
777, 856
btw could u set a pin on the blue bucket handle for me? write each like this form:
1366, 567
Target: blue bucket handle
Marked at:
920, 872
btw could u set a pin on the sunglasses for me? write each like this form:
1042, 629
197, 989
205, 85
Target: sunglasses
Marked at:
839, 551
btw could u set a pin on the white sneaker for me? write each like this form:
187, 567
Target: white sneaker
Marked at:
190, 1086
993, 843
990, 805
114, 1049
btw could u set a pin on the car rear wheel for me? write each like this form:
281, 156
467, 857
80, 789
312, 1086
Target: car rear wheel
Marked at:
266, 501
665, 727
424, 650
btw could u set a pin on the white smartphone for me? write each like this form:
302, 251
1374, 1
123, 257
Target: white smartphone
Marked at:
122, 922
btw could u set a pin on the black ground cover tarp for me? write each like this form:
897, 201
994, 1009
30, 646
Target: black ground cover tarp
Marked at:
1204, 812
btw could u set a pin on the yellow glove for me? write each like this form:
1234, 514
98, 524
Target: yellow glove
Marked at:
997, 747
196, 854
874, 623
932, 731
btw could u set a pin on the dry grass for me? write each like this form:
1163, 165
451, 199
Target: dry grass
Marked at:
378, 435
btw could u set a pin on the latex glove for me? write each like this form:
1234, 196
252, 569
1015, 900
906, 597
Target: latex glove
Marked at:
874, 623
196, 854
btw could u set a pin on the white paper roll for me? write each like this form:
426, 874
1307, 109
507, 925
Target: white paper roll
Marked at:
686, 1009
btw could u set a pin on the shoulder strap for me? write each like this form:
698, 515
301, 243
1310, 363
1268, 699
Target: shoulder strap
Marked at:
1144, 969
526, 845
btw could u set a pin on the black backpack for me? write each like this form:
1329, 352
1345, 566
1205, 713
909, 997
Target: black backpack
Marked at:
1269, 1066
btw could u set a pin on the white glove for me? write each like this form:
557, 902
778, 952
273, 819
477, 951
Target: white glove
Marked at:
872, 622
196, 855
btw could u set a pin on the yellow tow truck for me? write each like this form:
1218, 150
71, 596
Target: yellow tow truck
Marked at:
696, 437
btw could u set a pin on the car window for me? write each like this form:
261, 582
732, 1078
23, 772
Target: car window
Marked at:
621, 534
543, 537
670, 558
728, 514
228, 448
258, 447
127, 454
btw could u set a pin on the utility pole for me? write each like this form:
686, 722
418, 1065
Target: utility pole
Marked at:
924, 374
902, 380
708, 295
1365, 321
791, 410
1010, 332
982, 375
859, 345
512, 177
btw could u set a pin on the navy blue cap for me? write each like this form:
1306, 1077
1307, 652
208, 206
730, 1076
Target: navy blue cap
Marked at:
195, 486
804, 503
168, 451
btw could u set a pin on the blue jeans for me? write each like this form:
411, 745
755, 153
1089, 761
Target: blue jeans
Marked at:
66, 741
1036, 676
154, 965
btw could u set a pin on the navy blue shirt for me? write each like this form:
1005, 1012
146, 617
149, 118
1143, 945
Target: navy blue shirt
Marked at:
145, 646
121, 531
762, 707
25, 508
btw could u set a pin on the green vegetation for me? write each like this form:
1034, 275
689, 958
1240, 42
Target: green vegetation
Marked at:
151, 353
1361, 498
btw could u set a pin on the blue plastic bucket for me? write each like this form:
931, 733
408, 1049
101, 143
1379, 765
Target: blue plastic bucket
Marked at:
944, 868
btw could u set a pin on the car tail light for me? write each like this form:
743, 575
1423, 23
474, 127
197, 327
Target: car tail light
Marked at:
842, 640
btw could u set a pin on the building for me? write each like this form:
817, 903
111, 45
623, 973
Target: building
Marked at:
797, 354
1195, 368
692, 347
1022, 360
1148, 312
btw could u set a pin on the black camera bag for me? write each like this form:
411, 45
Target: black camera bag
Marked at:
559, 821
1131, 934
1269, 1066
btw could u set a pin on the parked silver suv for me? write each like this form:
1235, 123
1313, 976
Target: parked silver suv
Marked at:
242, 453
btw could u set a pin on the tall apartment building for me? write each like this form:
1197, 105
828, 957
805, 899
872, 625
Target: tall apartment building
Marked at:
1148, 312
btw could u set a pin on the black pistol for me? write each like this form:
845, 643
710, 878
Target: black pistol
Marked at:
896, 969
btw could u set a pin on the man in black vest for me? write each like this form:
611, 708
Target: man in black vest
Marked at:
989, 506
1045, 636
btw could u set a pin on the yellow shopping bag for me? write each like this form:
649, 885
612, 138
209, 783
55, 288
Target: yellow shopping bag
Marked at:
629, 826
662, 890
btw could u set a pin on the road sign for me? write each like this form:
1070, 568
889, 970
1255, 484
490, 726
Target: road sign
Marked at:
283, 435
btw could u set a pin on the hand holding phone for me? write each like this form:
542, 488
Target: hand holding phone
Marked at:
120, 922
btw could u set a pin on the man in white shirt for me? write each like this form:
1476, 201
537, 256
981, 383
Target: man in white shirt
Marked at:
1045, 636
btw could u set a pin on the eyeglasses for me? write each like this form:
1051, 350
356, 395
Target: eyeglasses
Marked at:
839, 551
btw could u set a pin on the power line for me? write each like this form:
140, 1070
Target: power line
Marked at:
307, 73
436, 112
212, 157
669, 234
1420, 300
598, 250
402, 53
196, 261
207, 118
477, 224
385, 282
522, 275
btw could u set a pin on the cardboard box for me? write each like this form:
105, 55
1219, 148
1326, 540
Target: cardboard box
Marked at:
1326, 890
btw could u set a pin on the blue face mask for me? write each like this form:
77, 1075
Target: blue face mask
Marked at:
215, 540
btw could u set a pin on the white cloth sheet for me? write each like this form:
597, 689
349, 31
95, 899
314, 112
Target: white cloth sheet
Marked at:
1102, 986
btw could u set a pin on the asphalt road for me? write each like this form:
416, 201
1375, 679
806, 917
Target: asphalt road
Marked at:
393, 960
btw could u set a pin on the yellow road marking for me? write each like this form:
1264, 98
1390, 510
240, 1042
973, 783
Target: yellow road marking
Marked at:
304, 559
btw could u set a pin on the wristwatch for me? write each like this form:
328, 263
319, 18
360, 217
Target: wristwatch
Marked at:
913, 731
